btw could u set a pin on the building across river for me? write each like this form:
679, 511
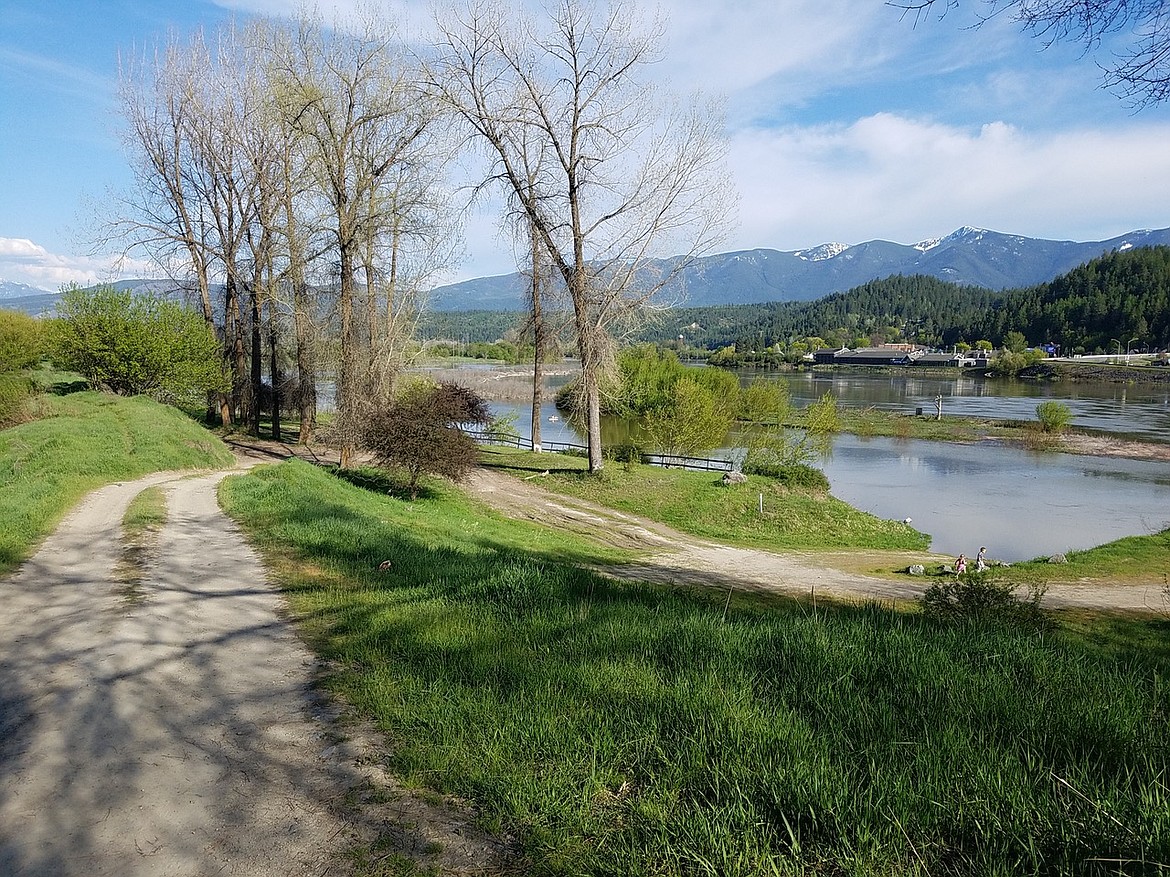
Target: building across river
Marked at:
901, 354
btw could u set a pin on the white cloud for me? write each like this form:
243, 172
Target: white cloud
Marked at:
23, 261
903, 179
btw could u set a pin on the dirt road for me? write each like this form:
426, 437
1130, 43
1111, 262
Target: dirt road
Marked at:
675, 557
165, 722
168, 726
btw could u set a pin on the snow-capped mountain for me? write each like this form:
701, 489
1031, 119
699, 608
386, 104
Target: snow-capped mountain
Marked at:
974, 256
8, 289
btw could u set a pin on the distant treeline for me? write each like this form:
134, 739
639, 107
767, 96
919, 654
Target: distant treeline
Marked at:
1118, 299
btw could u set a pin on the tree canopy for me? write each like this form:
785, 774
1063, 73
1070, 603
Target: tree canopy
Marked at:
137, 345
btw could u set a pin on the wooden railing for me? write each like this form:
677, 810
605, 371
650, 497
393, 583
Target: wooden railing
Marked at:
667, 461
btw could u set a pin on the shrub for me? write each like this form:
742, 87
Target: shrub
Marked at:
1053, 416
419, 431
137, 345
796, 475
628, 452
694, 419
822, 418
20, 341
15, 390
979, 597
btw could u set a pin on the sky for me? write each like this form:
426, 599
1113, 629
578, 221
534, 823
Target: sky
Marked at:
847, 121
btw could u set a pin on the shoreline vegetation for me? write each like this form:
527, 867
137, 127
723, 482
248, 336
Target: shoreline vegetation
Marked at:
514, 383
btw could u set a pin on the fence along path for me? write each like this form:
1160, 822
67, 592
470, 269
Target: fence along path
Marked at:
667, 461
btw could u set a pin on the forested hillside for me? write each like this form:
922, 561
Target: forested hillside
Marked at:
919, 308
1119, 298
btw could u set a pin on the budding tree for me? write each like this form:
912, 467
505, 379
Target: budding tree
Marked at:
627, 174
349, 97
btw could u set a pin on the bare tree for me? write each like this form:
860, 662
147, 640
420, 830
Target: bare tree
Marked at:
162, 216
1141, 72
348, 95
629, 170
280, 153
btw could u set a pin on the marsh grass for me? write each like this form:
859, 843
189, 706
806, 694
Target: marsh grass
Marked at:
698, 503
87, 440
617, 728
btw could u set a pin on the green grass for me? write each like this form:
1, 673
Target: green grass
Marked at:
145, 513
624, 729
87, 440
879, 422
698, 503
1132, 558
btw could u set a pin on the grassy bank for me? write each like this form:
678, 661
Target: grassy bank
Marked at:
623, 729
1132, 558
87, 440
699, 504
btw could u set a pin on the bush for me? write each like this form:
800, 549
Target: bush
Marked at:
1053, 416
20, 341
979, 597
15, 390
137, 345
419, 431
822, 418
629, 452
796, 475
694, 419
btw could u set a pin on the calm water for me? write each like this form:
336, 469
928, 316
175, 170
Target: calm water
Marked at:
1020, 504
1140, 410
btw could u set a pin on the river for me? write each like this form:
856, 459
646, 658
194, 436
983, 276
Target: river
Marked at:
1020, 504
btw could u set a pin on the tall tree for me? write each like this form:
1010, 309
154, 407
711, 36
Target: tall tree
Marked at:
351, 97
162, 215
629, 170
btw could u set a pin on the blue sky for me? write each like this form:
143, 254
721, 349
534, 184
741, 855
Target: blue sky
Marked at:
846, 122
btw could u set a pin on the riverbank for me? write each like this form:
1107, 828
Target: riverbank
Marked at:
603, 725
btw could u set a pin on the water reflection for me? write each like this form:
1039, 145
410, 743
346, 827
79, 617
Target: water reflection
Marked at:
1141, 410
1021, 504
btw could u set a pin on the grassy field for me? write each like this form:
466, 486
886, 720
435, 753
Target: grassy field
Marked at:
84, 441
1127, 559
624, 729
699, 504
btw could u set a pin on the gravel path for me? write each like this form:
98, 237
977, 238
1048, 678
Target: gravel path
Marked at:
674, 557
164, 731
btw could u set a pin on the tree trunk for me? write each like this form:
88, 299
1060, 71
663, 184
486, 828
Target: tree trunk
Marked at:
257, 372
593, 397
537, 342
306, 362
274, 371
347, 372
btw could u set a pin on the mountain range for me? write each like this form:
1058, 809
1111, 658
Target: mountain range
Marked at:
970, 256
